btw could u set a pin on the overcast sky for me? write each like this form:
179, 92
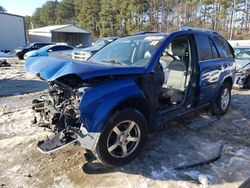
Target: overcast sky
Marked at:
21, 7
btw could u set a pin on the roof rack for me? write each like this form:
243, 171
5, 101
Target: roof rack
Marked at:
186, 28
144, 32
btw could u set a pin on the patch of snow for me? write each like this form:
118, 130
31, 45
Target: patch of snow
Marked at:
193, 174
203, 179
183, 184
163, 173
15, 168
62, 181
143, 182
240, 122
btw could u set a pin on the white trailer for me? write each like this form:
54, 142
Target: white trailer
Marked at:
12, 31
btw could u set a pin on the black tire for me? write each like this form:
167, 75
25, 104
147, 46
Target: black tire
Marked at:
245, 184
217, 108
247, 82
119, 118
20, 56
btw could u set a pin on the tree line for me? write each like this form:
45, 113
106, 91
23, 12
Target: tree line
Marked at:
123, 17
2, 9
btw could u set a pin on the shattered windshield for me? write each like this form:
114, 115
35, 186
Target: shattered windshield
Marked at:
242, 53
128, 51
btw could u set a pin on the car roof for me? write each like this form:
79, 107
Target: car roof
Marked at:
183, 30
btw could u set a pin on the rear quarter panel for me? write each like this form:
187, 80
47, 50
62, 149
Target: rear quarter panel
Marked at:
213, 74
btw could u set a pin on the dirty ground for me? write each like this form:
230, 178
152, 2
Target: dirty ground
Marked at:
180, 142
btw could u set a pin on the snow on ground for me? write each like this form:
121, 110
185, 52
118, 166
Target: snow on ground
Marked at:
180, 142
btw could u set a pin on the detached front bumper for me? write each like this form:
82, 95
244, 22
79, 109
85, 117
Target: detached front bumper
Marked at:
85, 139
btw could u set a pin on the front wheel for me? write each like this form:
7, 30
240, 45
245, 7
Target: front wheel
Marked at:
123, 138
222, 102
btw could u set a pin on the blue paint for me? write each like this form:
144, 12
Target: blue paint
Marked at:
99, 101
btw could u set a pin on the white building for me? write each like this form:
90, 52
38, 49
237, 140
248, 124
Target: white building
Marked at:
238, 43
12, 31
70, 34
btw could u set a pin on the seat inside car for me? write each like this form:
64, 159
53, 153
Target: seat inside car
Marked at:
175, 84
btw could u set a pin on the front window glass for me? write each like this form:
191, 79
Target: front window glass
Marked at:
130, 51
242, 53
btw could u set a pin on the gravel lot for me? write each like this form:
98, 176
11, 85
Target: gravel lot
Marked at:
181, 142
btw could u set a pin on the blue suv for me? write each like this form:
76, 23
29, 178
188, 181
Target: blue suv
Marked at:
108, 104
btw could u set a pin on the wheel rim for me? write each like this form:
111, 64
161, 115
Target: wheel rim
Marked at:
225, 99
123, 139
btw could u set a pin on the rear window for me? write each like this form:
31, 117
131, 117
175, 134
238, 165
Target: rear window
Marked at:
215, 52
223, 47
204, 47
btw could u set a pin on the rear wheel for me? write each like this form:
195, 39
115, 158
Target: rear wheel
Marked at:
123, 138
222, 103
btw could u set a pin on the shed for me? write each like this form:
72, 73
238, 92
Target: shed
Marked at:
12, 31
70, 34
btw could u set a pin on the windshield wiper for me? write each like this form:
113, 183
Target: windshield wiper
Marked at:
113, 62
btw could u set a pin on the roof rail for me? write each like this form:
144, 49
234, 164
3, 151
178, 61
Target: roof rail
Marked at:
198, 29
144, 32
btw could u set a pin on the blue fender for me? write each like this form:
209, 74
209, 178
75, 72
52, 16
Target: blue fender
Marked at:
98, 102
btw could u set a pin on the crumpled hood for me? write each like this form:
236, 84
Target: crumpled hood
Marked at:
50, 68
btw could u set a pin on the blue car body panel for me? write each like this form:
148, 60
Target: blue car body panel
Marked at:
214, 72
98, 102
50, 68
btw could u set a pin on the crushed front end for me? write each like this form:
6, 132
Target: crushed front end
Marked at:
58, 110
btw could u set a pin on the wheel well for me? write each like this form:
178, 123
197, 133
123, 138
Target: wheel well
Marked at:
229, 80
140, 104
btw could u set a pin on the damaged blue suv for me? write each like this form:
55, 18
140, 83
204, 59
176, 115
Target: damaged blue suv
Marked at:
109, 103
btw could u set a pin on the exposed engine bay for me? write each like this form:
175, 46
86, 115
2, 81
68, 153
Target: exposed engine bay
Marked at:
57, 109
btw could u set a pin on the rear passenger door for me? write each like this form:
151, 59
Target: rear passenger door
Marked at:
210, 67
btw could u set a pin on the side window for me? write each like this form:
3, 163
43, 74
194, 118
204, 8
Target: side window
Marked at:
34, 46
204, 47
215, 52
54, 49
40, 45
223, 47
65, 48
